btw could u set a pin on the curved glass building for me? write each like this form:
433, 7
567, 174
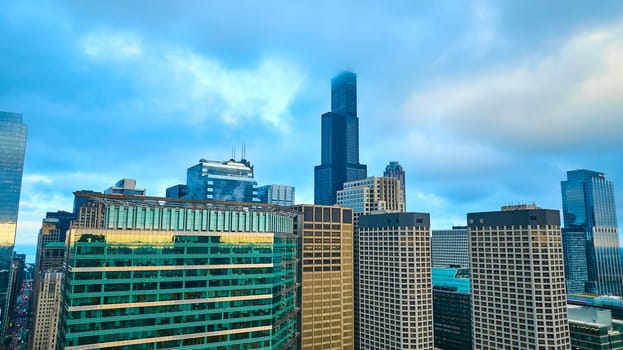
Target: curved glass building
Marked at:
12, 148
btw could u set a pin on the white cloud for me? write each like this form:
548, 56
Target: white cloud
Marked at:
36, 178
207, 88
111, 45
551, 101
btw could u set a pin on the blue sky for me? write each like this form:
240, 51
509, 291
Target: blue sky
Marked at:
483, 103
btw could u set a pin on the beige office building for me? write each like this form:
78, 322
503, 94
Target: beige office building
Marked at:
326, 277
372, 195
518, 282
395, 282
48, 306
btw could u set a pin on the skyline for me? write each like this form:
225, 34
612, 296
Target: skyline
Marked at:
483, 104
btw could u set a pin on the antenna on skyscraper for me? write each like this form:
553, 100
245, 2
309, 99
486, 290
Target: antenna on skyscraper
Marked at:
244, 151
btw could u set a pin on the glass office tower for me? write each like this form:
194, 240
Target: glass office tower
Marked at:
591, 234
163, 273
216, 180
340, 142
276, 194
12, 147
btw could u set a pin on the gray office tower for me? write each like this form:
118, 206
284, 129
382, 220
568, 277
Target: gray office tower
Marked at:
591, 235
395, 170
12, 147
340, 142
450, 248
518, 285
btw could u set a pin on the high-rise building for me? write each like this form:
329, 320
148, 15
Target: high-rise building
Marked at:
48, 279
215, 180
47, 309
591, 235
452, 309
594, 329
517, 275
125, 187
276, 194
326, 277
450, 247
372, 195
179, 273
12, 148
395, 292
340, 142
395, 170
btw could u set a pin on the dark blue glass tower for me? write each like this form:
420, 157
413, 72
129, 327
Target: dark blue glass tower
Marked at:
340, 142
12, 147
591, 236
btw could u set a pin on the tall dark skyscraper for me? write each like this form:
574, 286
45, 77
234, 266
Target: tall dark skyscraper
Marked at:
12, 148
340, 142
395, 170
591, 235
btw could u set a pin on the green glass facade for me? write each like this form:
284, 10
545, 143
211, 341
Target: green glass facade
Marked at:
144, 274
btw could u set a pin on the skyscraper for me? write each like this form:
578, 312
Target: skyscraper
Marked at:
215, 180
180, 273
518, 285
372, 195
395, 292
452, 309
326, 277
12, 147
340, 142
395, 170
450, 247
49, 278
591, 234
276, 194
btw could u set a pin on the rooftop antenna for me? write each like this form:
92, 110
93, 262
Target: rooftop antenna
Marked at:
244, 151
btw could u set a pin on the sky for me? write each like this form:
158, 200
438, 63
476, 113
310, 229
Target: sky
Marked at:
484, 103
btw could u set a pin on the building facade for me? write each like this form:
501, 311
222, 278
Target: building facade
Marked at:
372, 195
395, 170
517, 275
326, 277
180, 274
48, 279
452, 311
594, 329
450, 247
589, 213
127, 187
339, 142
276, 194
47, 309
395, 291
367, 196
216, 180
12, 149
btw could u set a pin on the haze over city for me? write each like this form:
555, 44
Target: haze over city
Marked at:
483, 103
